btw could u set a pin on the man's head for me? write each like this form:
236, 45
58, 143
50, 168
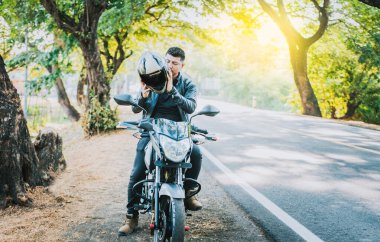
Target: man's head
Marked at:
175, 58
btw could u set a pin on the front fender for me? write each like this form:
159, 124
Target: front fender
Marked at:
172, 190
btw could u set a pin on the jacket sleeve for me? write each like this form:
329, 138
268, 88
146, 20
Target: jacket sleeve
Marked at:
141, 102
188, 101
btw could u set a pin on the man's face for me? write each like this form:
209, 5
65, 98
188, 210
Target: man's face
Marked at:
175, 64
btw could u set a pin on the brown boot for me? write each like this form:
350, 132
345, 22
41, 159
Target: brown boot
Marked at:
193, 204
129, 226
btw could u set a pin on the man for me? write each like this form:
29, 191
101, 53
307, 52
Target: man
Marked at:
171, 96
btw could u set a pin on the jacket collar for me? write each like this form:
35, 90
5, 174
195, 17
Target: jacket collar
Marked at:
177, 79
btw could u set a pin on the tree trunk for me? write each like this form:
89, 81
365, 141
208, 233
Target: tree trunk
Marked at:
98, 84
63, 99
84, 28
352, 105
298, 47
82, 83
48, 146
298, 57
18, 159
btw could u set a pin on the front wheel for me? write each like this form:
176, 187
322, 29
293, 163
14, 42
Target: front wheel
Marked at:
172, 220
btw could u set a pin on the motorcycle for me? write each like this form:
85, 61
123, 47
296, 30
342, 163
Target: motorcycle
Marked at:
167, 156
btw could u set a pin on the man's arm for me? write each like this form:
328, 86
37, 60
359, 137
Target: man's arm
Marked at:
141, 98
187, 102
142, 103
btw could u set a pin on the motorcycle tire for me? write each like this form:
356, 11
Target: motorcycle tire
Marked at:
172, 220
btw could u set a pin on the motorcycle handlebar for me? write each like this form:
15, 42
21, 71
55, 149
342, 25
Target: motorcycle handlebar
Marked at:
144, 125
198, 130
131, 122
127, 125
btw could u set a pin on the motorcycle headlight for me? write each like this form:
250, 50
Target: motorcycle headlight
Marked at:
174, 150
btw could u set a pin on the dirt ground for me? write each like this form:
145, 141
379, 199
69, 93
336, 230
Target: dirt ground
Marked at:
87, 201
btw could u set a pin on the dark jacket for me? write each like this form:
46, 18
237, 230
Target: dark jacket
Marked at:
184, 95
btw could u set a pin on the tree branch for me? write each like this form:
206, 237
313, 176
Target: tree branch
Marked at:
157, 18
281, 8
282, 20
270, 11
119, 49
323, 22
316, 5
63, 21
151, 7
106, 52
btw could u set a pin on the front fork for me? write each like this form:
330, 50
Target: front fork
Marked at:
156, 197
157, 182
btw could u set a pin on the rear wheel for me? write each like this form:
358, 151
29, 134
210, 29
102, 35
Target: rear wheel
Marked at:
172, 220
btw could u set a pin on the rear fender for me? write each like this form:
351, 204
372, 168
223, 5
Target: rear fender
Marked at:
172, 190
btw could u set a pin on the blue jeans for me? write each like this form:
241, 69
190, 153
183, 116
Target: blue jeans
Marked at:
139, 168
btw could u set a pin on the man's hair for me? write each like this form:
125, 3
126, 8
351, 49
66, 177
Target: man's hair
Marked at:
176, 52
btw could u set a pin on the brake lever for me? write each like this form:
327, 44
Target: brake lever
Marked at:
211, 137
207, 137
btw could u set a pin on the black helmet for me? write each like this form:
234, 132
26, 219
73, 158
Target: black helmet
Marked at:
153, 70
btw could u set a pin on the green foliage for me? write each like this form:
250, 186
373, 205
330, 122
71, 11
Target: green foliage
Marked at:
98, 118
41, 112
120, 17
22, 16
37, 118
241, 68
371, 114
261, 91
57, 57
45, 82
345, 66
132, 25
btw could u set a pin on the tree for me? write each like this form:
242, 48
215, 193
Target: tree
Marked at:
298, 49
123, 27
111, 23
18, 159
345, 65
22, 163
81, 21
18, 16
54, 62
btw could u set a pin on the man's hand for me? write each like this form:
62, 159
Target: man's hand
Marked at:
144, 90
169, 86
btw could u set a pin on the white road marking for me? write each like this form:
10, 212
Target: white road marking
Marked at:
264, 201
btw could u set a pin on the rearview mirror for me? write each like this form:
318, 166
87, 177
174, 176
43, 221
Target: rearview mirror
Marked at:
207, 110
125, 99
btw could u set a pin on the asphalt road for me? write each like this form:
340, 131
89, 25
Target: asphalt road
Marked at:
300, 178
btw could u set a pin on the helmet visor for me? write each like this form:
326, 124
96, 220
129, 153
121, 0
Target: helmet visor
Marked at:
156, 81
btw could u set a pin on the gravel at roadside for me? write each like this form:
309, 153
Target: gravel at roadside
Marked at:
87, 201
